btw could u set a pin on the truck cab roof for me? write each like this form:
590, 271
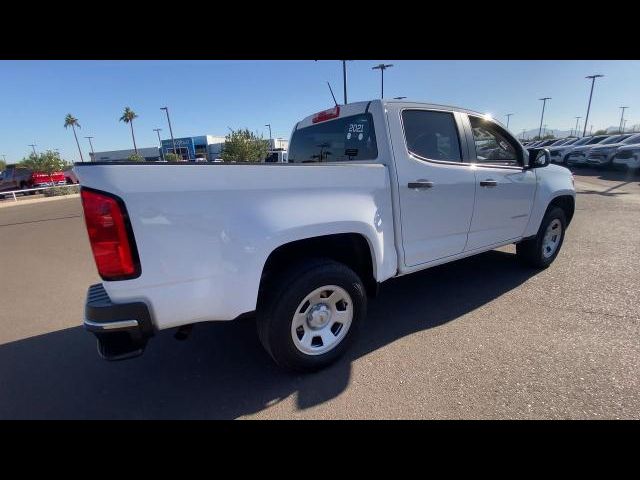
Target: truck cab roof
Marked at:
356, 108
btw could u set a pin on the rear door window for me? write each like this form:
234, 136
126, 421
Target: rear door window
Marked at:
432, 135
345, 139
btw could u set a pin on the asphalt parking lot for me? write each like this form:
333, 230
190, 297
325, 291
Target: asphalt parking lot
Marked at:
480, 338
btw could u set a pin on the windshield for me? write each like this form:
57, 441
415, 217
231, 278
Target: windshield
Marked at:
633, 139
595, 140
582, 141
571, 141
613, 139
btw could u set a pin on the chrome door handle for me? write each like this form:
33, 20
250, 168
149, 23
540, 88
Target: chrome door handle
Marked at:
488, 183
420, 184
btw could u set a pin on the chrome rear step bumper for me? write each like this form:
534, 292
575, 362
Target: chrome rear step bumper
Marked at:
122, 329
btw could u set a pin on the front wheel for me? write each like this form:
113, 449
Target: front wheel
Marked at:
541, 250
310, 315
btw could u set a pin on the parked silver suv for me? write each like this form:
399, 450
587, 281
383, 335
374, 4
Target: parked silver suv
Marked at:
602, 155
628, 156
560, 153
578, 155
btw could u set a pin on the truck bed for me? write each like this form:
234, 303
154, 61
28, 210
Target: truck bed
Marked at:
205, 231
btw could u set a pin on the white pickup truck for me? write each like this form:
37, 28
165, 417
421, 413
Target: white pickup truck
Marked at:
373, 190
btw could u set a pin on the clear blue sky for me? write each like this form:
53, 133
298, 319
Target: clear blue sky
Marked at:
206, 97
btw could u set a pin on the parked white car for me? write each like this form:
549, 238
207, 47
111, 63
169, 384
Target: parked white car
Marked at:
579, 153
601, 155
559, 153
277, 156
374, 190
628, 156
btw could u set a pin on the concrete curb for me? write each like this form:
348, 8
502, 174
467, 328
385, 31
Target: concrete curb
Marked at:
10, 203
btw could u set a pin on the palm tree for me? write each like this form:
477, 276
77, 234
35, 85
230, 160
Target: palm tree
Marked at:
127, 117
71, 121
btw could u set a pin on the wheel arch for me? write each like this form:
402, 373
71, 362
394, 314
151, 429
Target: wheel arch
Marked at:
352, 249
567, 203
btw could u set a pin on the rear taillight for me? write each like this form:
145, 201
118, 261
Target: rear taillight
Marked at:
326, 115
110, 235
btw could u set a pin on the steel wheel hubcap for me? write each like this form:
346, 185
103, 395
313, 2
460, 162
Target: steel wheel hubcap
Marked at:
551, 238
322, 320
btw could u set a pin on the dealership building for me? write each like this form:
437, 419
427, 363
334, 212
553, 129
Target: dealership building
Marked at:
205, 148
150, 154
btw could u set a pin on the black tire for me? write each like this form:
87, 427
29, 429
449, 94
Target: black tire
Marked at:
530, 252
282, 296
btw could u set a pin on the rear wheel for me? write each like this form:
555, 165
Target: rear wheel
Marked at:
542, 250
310, 314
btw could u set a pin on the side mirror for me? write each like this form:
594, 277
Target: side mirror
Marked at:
539, 157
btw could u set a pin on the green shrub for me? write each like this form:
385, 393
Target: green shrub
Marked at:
244, 146
59, 191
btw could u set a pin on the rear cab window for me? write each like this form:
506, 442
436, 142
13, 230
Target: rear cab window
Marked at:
351, 138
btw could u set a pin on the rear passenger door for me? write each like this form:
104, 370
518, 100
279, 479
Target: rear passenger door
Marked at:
435, 187
504, 189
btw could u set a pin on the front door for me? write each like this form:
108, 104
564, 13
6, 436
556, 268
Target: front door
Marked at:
436, 187
504, 189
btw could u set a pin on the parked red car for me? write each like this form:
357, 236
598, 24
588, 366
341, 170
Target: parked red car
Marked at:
15, 177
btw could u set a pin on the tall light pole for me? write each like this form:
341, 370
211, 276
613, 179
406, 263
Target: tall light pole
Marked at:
33, 145
523, 132
544, 103
269, 125
591, 130
624, 125
166, 109
544, 130
622, 116
344, 79
382, 67
91, 145
577, 120
586, 119
508, 117
158, 130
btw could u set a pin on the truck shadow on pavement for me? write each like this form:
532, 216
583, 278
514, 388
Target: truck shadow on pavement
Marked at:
221, 370
611, 174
